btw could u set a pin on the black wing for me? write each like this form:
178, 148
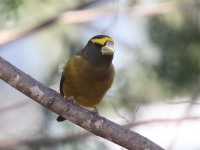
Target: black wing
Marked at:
61, 85
60, 118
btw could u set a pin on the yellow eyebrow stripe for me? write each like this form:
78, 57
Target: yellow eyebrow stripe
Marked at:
102, 41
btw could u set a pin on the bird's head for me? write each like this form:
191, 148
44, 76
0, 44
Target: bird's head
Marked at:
100, 50
103, 43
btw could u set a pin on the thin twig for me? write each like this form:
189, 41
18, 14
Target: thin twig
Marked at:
68, 16
162, 120
14, 106
53, 141
26, 31
183, 102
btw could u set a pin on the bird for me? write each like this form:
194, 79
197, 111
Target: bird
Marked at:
89, 74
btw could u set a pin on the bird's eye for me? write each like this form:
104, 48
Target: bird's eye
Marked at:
109, 43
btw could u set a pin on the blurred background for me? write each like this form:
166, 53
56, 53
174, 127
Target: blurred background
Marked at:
157, 62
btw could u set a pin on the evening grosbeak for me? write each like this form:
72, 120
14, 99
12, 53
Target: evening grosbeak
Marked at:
90, 73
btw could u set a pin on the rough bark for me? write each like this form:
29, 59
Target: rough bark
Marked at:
84, 118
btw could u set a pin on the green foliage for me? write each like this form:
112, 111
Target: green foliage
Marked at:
179, 46
9, 7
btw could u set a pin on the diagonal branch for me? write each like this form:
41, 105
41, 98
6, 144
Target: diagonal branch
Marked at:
84, 118
21, 33
79, 14
47, 141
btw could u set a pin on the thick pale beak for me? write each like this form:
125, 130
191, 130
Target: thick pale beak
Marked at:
108, 49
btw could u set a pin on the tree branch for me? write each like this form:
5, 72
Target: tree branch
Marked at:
14, 106
47, 141
84, 118
68, 16
26, 31
54, 141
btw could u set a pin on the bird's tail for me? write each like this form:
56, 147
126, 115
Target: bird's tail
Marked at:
60, 119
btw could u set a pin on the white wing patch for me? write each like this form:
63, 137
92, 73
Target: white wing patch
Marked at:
61, 67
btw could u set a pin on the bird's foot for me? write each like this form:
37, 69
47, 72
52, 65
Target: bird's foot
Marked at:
71, 99
95, 111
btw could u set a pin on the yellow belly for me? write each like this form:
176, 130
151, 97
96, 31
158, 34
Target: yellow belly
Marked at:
87, 84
